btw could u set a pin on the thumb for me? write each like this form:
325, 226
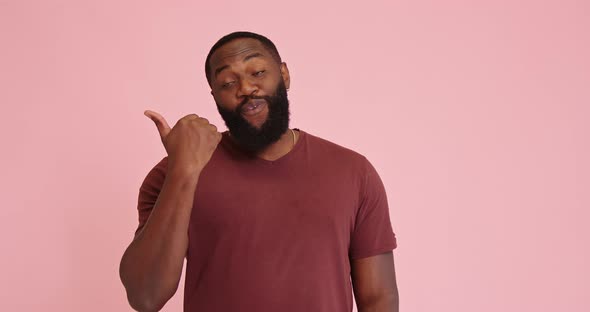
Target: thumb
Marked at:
160, 122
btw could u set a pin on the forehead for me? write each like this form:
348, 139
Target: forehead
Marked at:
236, 50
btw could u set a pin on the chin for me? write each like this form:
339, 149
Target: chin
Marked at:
258, 121
256, 126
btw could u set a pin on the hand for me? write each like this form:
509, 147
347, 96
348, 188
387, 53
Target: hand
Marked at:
190, 143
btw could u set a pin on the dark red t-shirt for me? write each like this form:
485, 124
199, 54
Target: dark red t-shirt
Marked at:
279, 235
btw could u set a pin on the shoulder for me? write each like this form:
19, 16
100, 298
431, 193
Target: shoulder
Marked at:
355, 163
335, 152
160, 167
155, 177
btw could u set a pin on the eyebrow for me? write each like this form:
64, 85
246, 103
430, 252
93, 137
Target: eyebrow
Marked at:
247, 58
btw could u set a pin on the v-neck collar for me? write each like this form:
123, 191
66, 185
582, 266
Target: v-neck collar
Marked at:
234, 149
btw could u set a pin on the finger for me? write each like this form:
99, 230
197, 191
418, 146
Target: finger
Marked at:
191, 117
160, 122
212, 127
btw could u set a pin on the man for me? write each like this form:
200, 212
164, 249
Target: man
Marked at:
269, 218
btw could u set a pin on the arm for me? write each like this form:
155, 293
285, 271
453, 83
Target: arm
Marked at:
374, 284
152, 264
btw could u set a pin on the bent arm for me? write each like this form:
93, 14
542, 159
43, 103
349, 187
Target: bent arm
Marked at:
151, 266
374, 284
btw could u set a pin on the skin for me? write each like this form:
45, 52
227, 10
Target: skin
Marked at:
374, 283
244, 67
151, 266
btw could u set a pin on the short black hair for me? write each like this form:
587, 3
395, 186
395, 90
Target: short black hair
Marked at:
239, 35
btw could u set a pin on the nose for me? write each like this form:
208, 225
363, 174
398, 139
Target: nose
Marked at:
247, 88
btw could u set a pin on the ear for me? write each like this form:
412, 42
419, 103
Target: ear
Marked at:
285, 74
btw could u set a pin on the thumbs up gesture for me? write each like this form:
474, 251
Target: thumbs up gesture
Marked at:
190, 143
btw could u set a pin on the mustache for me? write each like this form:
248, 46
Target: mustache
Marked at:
247, 99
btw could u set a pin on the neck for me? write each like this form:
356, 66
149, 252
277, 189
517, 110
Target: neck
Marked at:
279, 148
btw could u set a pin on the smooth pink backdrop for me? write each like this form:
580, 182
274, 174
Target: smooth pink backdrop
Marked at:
475, 113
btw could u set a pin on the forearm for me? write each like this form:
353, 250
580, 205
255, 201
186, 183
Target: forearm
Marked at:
152, 264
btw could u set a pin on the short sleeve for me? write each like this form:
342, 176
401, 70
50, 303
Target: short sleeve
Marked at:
149, 191
372, 233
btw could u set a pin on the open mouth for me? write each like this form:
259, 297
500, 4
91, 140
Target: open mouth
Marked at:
253, 107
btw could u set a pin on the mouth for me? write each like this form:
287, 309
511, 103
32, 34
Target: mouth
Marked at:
253, 107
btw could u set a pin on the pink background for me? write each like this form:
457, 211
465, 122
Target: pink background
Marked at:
475, 113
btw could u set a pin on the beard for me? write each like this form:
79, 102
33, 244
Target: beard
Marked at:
250, 138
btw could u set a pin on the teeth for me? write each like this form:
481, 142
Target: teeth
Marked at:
252, 106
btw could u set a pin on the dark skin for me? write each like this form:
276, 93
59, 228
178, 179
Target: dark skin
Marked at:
151, 266
374, 283
244, 67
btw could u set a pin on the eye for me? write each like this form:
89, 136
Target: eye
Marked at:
227, 84
259, 73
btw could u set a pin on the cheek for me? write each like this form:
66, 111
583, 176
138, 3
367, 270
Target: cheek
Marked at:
225, 101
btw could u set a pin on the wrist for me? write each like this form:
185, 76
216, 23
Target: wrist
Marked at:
183, 171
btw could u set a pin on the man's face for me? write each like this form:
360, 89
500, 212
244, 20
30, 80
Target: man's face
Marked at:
249, 87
